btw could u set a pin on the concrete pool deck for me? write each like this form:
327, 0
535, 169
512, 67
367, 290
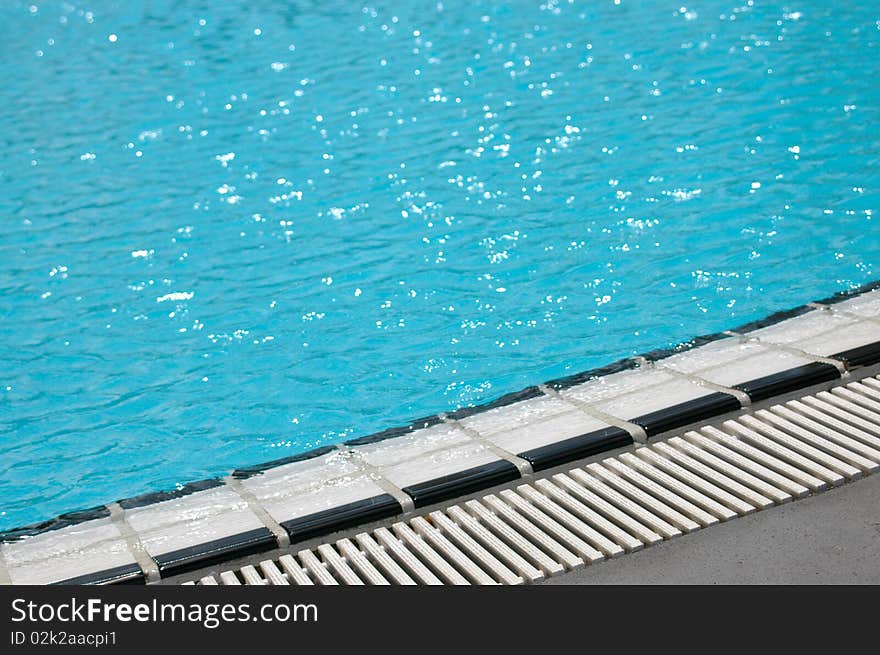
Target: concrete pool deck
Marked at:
641, 400
830, 538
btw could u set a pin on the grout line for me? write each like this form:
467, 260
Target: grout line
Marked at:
406, 502
135, 547
525, 467
254, 504
637, 432
782, 347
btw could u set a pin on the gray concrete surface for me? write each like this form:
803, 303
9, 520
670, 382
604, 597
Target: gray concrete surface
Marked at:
833, 537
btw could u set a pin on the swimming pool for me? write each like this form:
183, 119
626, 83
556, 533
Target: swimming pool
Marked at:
232, 234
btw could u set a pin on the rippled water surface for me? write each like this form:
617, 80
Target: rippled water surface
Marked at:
233, 233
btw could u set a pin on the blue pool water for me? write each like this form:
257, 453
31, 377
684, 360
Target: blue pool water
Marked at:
232, 233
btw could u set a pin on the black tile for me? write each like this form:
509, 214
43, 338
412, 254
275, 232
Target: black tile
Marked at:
789, 380
625, 364
159, 496
861, 356
840, 296
214, 552
62, 521
125, 574
344, 516
688, 412
256, 469
702, 340
463, 482
773, 319
390, 433
569, 450
503, 401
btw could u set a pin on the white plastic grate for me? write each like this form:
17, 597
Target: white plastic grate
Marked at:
602, 510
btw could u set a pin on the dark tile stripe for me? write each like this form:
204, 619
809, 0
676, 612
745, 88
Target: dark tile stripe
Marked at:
62, 521
461, 483
214, 552
625, 364
503, 401
773, 319
840, 296
125, 574
688, 412
569, 450
159, 496
861, 356
390, 433
342, 517
790, 380
256, 469
696, 342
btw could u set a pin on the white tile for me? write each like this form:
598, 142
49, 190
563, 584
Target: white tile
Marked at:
797, 329
858, 334
866, 304
821, 333
55, 543
751, 368
712, 355
616, 384
634, 393
305, 475
199, 531
531, 410
731, 361
532, 423
72, 564
192, 507
414, 444
439, 463
65, 553
194, 519
286, 504
551, 430
303, 488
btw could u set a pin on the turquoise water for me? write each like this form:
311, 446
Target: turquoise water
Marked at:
233, 233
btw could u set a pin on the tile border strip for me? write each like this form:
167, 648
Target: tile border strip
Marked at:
502, 470
556, 523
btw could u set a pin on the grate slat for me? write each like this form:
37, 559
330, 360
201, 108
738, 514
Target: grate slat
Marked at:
384, 561
294, 571
565, 518
273, 575
621, 537
822, 438
406, 557
755, 483
482, 556
630, 469
359, 561
504, 552
526, 547
614, 514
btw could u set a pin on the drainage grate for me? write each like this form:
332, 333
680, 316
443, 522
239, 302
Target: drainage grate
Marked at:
608, 508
